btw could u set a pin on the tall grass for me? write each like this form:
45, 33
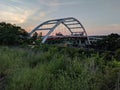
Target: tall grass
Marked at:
55, 68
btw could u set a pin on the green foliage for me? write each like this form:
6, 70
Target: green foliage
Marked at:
117, 54
12, 34
45, 67
57, 68
110, 42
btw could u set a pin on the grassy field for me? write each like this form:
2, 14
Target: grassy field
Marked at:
57, 68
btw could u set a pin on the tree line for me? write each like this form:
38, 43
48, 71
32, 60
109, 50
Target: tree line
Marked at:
14, 35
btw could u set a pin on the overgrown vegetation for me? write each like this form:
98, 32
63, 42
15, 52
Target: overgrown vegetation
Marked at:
51, 67
55, 68
109, 43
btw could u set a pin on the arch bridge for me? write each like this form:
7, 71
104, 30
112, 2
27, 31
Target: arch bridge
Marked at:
70, 23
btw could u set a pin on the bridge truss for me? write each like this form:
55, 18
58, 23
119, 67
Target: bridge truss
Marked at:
70, 23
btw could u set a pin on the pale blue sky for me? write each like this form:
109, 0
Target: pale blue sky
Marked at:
97, 16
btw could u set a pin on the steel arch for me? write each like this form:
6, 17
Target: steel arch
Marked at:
67, 22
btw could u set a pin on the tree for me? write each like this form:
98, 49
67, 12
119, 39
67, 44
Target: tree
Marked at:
110, 42
12, 34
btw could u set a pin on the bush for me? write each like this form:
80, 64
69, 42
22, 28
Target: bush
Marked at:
117, 54
54, 68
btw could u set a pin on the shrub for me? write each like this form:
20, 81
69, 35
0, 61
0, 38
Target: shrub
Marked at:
41, 69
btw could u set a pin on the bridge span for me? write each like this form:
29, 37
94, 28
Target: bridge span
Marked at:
73, 25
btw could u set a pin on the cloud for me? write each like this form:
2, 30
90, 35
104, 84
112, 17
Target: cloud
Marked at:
25, 12
17, 1
105, 29
61, 4
13, 18
37, 16
56, 3
13, 14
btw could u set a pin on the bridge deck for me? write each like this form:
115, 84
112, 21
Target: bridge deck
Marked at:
66, 37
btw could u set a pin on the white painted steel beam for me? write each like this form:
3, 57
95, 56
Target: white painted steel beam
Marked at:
67, 22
